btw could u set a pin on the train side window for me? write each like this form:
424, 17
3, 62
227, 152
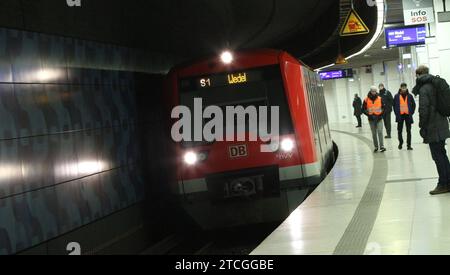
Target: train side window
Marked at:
319, 97
311, 102
314, 95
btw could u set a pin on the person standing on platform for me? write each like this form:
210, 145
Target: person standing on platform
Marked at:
388, 102
404, 108
357, 107
434, 128
373, 108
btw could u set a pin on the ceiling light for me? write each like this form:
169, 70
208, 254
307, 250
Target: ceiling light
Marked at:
407, 56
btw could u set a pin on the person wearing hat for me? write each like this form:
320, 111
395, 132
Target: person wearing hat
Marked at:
404, 108
373, 108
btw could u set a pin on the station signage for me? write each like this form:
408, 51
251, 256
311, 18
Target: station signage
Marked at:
346, 73
418, 11
353, 25
405, 36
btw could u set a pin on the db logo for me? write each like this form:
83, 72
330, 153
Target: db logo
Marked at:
238, 151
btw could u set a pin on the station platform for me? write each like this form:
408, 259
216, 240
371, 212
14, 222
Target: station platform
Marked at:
369, 203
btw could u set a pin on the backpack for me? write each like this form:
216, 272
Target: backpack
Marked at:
442, 95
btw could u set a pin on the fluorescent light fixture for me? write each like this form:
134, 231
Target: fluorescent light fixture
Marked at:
324, 67
407, 56
47, 74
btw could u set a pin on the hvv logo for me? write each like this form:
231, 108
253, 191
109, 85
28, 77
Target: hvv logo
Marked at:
73, 3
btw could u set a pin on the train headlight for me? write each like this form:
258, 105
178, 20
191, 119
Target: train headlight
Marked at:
226, 57
190, 158
287, 145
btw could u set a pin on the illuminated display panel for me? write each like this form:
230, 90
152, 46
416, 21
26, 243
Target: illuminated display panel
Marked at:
405, 36
336, 74
224, 79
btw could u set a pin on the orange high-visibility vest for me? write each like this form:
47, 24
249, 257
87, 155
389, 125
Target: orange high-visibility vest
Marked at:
404, 110
374, 108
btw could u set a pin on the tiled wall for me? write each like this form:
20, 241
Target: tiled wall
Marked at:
68, 134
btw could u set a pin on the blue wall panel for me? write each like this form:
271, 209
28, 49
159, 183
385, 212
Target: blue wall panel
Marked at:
69, 150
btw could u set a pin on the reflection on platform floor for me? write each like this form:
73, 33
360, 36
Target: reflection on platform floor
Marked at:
370, 203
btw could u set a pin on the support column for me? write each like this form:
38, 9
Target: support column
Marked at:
443, 38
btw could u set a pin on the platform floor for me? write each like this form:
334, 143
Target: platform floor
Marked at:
369, 204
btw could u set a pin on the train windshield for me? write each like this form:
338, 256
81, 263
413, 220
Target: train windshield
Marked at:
254, 87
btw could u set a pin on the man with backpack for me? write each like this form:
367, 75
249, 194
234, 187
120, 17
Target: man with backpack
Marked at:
434, 126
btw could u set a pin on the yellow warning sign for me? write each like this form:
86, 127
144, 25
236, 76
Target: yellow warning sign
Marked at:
353, 25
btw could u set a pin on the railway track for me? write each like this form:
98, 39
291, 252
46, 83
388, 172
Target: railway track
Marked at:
235, 241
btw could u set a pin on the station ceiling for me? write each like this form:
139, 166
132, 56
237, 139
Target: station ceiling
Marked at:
377, 53
187, 29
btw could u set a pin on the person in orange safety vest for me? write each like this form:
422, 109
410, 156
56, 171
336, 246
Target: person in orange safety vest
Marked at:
404, 108
373, 108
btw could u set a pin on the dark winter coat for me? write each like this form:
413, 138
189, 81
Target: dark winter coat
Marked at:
366, 112
411, 106
388, 100
433, 126
357, 106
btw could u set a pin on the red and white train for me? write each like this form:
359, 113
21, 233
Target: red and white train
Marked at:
225, 184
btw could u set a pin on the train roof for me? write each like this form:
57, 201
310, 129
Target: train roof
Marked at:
243, 59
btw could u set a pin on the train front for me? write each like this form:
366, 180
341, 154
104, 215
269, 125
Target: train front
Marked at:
243, 156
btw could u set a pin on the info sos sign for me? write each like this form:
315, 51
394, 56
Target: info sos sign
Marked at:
418, 11
415, 17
